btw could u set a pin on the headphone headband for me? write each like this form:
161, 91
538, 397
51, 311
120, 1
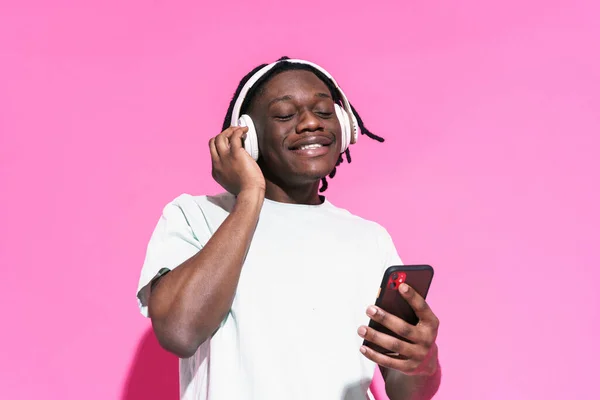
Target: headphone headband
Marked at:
235, 115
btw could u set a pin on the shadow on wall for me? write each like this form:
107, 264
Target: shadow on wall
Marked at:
154, 373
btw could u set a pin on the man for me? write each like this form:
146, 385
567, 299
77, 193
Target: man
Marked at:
265, 292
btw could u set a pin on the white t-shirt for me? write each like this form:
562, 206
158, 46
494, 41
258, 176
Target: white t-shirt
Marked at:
310, 273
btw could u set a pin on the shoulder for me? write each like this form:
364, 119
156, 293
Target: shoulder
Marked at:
189, 204
194, 217
373, 228
369, 234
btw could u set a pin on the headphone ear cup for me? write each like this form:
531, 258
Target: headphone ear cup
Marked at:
355, 131
342, 116
251, 141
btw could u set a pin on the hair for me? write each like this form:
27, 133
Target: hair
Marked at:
258, 87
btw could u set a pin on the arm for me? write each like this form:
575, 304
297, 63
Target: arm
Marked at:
188, 304
400, 386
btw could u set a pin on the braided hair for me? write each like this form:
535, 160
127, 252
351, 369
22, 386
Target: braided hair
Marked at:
258, 88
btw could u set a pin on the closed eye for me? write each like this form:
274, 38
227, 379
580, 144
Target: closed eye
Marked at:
324, 114
284, 117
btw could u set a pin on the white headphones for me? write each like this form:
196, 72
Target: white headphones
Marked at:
345, 115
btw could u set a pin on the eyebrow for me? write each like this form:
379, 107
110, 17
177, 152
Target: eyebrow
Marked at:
289, 97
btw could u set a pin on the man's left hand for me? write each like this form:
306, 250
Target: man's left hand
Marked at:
416, 357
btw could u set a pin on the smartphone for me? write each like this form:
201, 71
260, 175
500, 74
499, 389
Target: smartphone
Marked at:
418, 277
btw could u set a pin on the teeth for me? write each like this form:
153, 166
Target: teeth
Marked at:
311, 146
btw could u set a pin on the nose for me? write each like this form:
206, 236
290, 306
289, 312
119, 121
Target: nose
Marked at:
308, 122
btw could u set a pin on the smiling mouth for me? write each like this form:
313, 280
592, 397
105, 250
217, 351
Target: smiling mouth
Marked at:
312, 143
311, 150
309, 146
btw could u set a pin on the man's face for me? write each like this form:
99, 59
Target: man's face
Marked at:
298, 131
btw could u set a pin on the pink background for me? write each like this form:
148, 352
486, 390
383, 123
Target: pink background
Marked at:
490, 173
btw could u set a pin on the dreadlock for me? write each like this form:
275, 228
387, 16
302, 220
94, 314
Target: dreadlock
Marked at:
258, 87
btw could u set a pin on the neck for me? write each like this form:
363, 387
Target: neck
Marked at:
306, 194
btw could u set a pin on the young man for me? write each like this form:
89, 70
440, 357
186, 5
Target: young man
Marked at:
265, 291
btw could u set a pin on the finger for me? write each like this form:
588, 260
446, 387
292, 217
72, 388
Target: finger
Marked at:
213, 150
235, 140
393, 323
231, 131
406, 366
222, 144
394, 345
419, 305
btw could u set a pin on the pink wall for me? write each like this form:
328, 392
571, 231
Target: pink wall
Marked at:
489, 173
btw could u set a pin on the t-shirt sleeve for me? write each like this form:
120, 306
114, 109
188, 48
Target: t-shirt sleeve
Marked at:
172, 242
389, 253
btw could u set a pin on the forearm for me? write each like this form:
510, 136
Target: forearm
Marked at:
400, 386
188, 304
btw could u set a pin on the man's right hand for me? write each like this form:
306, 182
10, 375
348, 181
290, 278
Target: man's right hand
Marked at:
232, 166
188, 304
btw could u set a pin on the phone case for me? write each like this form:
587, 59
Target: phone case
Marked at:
418, 277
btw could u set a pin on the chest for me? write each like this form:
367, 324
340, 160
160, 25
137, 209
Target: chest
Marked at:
306, 273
